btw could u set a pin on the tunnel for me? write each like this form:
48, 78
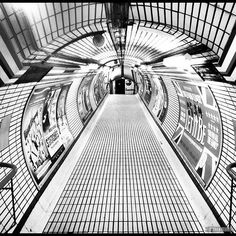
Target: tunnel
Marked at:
117, 117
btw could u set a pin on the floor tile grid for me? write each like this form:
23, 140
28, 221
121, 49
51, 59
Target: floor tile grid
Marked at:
98, 194
97, 185
72, 182
167, 179
134, 163
81, 191
176, 196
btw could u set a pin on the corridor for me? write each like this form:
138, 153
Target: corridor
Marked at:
117, 117
123, 181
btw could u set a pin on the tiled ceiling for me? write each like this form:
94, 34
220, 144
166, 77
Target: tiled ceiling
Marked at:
61, 33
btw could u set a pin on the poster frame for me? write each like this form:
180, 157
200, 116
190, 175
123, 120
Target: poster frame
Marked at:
203, 184
39, 184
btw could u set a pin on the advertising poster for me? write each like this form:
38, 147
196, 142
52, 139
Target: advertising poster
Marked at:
50, 129
4, 131
98, 89
199, 131
40, 136
36, 153
234, 125
129, 86
103, 81
84, 105
140, 82
161, 100
148, 94
65, 134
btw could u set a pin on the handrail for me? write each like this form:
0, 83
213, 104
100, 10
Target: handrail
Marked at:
5, 180
10, 175
232, 174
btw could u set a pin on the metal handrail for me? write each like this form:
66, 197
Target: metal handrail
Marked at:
232, 174
6, 179
10, 175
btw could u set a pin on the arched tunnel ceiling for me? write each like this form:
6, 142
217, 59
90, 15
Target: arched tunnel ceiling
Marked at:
61, 33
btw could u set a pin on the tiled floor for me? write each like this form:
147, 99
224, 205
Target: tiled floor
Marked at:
123, 181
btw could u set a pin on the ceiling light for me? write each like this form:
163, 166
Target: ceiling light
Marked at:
179, 61
28, 8
92, 66
98, 40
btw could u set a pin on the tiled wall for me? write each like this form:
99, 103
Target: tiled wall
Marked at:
12, 102
219, 189
13, 99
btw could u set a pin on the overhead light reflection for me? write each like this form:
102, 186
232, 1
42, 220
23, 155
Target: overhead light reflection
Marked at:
29, 8
179, 61
92, 66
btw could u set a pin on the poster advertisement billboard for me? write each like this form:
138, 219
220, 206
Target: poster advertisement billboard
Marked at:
140, 82
148, 93
4, 131
98, 89
41, 130
199, 131
84, 105
50, 129
161, 99
64, 130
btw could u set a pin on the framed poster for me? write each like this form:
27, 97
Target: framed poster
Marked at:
148, 90
45, 131
199, 131
4, 131
98, 89
161, 100
84, 105
36, 153
62, 123
49, 122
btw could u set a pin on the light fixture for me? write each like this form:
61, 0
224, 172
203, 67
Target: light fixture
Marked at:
178, 61
29, 8
98, 40
143, 67
92, 66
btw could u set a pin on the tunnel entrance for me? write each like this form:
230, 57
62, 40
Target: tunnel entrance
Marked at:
123, 86
120, 86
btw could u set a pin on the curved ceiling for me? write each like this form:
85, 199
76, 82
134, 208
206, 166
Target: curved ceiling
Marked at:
61, 34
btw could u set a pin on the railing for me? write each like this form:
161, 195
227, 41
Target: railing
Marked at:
5, 180
231, 170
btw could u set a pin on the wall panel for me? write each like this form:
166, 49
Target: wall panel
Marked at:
219, 190
13, 99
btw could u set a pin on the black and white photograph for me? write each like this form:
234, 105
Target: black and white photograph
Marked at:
117, 117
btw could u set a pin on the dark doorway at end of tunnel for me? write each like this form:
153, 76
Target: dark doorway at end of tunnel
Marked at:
120, 86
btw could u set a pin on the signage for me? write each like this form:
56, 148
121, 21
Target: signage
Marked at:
45, 132
199, 131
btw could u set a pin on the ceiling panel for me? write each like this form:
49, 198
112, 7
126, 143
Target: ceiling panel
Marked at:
54, 25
